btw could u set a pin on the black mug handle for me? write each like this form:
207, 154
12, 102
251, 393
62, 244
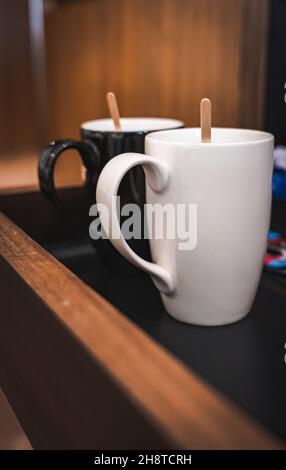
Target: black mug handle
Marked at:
46, 169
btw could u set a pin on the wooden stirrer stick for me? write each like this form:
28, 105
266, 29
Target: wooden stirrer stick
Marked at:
206, 120
113, 109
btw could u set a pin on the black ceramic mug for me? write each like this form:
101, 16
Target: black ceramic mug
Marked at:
101, 142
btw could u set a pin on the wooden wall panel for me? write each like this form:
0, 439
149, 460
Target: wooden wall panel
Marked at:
253, 52
17, 110
159, 56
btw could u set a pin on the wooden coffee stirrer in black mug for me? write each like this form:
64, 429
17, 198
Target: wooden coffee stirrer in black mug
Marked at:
206, 120
113, 110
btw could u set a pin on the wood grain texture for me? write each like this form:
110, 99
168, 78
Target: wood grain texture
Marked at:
12, 436
61, 395
253, 62
20, 173
78, 360
17, 110
160, 58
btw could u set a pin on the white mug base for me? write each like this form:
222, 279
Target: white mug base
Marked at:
219, 321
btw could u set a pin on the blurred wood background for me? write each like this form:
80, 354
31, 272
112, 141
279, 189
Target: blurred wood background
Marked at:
17, 105
160, 57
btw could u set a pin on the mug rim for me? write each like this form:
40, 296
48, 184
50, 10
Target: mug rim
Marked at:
86, 126
161, 137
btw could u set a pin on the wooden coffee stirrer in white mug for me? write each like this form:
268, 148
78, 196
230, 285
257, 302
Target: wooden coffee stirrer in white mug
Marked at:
113, 109
206, 120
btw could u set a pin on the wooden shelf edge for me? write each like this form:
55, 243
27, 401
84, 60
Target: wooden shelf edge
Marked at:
189, 412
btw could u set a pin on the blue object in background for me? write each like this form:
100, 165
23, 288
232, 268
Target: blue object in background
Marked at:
279, 183
279, 173
273, 236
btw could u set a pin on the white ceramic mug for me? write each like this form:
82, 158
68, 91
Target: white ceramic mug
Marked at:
229, 180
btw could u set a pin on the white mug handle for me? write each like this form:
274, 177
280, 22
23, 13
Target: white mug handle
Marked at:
157, 175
